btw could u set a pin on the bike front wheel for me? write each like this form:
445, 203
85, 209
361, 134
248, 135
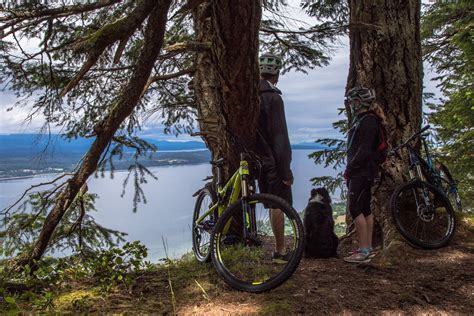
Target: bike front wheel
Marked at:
423, 214
252, 263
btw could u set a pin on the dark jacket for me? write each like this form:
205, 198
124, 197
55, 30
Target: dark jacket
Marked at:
273, 144
362, 141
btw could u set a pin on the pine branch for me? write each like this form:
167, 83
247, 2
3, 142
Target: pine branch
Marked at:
153, 40
189, 6
8, 209
188, 46
180, 73
95, 44
58, 12
177, 74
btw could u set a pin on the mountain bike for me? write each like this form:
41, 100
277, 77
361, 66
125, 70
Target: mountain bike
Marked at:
232, 226
438, 175
420, 207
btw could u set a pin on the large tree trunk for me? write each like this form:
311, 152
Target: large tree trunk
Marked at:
154, 34
226, 77
385, 53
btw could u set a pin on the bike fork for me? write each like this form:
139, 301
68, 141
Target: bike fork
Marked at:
249, 222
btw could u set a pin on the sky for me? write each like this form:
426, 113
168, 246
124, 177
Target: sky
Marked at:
311, 100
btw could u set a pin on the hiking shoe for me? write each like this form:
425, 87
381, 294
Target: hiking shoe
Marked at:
372, 252
358, 257
281, 259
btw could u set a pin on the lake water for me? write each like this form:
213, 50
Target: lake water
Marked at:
169, 209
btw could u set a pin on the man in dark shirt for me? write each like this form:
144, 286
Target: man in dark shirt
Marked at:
274, 147
362, 168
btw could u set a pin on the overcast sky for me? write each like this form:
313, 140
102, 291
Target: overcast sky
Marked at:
311, 102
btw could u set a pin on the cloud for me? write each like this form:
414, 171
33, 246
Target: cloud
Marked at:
311, 101
13, 119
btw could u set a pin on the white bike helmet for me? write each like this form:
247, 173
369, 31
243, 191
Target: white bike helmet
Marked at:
365, 95
270, 64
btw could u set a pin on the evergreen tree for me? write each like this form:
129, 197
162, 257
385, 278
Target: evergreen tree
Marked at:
99, 71
87, 38
385, 54
447, 32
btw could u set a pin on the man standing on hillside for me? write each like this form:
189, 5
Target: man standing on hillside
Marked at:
274, 148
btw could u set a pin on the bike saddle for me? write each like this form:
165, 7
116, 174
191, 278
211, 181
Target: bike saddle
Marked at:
219, 162
208, 178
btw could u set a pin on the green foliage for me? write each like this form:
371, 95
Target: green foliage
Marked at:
42, 285
116, 265
7, 302
339, 211
45, 302
447, 31
334, 10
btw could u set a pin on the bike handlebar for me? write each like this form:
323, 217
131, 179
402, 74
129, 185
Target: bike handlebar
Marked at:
427, 127
412, 137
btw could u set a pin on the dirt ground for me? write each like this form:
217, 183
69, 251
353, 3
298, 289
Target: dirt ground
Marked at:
423, 282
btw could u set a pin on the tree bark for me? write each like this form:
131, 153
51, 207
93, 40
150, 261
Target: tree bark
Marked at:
154, 34
385, 54
226, 77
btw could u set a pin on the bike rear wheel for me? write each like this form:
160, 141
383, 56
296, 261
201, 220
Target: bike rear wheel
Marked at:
249, 264
423, 214
201, 232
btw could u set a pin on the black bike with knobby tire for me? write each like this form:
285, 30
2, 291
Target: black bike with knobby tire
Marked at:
421, 209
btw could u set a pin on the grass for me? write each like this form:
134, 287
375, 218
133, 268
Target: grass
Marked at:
78, 300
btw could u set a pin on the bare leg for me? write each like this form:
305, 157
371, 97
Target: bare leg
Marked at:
277, 220
370, 228
361, 228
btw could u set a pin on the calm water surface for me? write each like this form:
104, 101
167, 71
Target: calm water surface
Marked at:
169, 209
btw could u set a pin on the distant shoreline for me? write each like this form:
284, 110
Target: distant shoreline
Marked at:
39, 174
14, 168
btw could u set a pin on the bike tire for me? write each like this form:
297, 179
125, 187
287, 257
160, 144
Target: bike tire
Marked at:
199, 254
400, 201
291, 265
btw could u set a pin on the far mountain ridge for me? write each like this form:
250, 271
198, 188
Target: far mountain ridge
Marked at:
33, 144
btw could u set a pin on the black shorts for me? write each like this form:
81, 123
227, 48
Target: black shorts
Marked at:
359, 196
272, 186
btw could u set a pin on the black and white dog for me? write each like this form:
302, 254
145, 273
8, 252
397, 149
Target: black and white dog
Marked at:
320, 239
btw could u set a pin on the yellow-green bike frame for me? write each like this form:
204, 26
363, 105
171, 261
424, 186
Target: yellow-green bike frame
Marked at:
237, 184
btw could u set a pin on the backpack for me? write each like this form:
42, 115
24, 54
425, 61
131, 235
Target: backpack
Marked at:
381, 152
382, 147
